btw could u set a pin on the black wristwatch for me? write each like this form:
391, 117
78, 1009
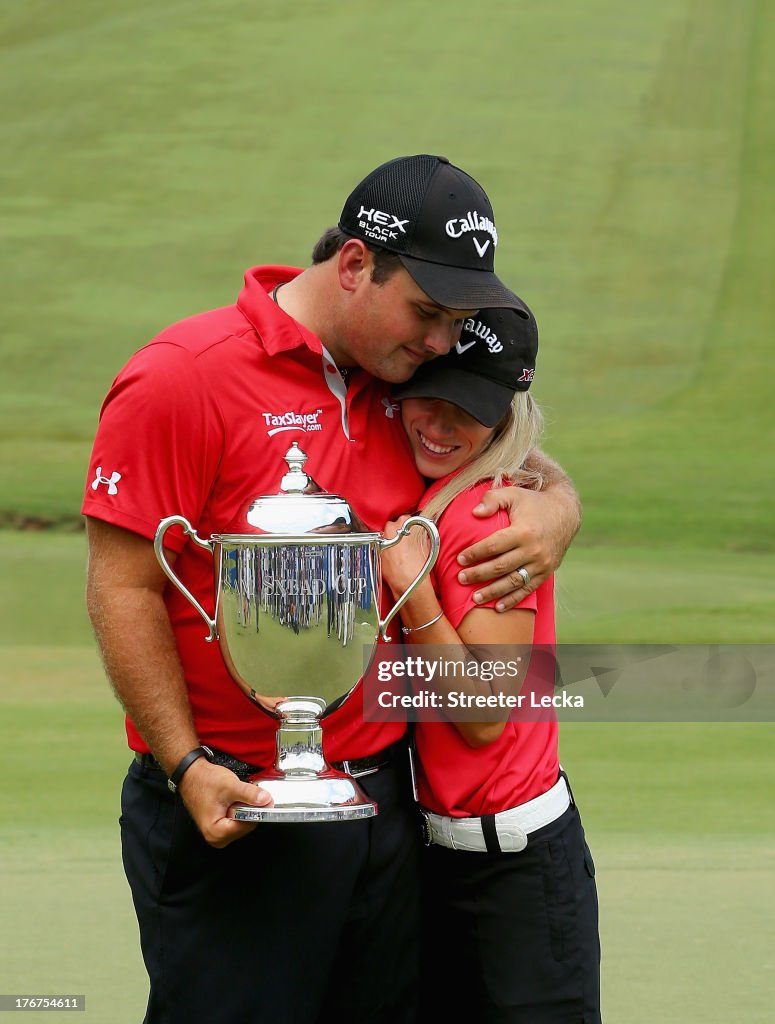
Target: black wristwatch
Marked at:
193, 755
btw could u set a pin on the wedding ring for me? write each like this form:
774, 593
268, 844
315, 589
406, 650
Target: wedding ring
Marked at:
525, 576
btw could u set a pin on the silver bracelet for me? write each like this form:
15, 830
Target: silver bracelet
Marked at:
416, 629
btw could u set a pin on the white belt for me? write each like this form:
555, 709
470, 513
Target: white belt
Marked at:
512, 827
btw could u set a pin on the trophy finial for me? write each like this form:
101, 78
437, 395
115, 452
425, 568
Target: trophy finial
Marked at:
295, 480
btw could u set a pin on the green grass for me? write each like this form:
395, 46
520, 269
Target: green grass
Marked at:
160, 148
680, 821
626, 149
68, 925
665, 595
604, 595
679, 818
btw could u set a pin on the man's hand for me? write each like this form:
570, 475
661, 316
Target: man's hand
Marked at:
543, 523
208, 792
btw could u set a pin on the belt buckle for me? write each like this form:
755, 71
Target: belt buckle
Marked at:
426, 833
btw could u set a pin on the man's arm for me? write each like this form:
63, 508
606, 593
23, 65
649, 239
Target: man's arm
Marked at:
124, 595
543, 524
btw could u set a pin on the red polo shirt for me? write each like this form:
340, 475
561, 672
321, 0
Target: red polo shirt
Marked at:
197, 423
455, 779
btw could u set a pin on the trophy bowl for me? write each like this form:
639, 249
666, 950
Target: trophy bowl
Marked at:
298, 601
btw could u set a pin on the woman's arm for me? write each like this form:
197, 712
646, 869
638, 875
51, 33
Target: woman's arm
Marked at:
543, 524
480, 626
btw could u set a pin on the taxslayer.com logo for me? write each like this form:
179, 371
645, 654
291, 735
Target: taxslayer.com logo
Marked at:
380, 225
478, 330
306, 421
457, 227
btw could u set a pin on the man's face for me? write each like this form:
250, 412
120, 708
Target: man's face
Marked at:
394, 327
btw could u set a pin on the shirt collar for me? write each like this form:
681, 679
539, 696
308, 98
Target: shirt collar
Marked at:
277, 331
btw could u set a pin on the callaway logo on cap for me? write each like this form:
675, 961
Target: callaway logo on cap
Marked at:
495, 357
440, 223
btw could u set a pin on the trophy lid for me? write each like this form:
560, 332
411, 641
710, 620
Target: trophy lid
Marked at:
299, 508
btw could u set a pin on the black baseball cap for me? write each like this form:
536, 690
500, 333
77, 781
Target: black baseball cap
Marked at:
495, 357
440, 223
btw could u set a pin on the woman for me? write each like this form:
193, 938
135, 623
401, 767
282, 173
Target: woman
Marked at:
510, 912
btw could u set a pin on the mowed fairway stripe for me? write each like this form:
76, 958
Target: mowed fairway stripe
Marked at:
674, 594
688, 930
679, 819
695, 468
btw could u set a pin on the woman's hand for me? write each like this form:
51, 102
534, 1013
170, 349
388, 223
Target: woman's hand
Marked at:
402, 563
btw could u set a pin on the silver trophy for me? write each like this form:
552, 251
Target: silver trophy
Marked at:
297, 607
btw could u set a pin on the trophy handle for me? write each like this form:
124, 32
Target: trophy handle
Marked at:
189, 531
433, 534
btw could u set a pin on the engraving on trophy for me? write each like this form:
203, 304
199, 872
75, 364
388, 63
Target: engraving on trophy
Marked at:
296, 588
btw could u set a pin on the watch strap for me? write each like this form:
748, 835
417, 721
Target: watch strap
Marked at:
185, 763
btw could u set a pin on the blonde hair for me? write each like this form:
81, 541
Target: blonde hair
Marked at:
503, 458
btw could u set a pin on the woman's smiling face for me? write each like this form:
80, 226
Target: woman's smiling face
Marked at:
443, 436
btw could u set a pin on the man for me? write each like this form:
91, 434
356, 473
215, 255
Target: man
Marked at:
296, 923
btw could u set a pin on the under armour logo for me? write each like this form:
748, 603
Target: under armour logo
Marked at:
527, 375
390, 408
109, 481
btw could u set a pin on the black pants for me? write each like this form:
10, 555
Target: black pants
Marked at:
293, 924
512, 938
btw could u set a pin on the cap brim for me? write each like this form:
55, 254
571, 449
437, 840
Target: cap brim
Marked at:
459, 287
487, 402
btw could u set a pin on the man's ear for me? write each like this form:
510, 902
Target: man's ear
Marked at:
353, 264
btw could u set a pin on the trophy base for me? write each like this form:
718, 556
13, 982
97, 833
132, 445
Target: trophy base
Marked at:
329, 796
